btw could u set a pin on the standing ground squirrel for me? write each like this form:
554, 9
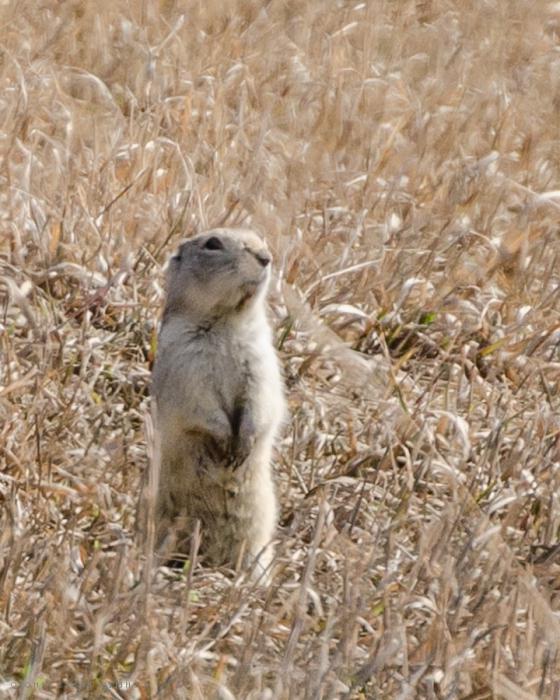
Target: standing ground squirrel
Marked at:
218, 400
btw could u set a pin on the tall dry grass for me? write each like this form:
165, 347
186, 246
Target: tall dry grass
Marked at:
402, 159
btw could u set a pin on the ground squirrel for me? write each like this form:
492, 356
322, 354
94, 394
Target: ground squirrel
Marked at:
218, 399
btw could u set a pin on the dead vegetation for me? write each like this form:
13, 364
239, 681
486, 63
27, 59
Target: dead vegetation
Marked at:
403, 160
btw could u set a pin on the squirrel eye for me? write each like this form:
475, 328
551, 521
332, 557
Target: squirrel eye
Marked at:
214, 243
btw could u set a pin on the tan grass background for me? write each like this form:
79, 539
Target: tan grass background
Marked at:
403, 161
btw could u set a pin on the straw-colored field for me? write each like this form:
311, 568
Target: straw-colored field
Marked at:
402, 159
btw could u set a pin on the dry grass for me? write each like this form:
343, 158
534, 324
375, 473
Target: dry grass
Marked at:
403, 160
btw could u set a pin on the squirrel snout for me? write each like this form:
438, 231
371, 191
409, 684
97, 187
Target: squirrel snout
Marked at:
263, 257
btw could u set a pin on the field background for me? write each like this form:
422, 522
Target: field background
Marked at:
403, 161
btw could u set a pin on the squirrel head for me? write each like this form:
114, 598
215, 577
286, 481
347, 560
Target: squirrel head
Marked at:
219, 273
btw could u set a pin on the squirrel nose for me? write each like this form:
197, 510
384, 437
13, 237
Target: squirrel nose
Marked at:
263, 257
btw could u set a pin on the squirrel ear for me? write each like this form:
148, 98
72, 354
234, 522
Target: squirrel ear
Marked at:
178, 255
